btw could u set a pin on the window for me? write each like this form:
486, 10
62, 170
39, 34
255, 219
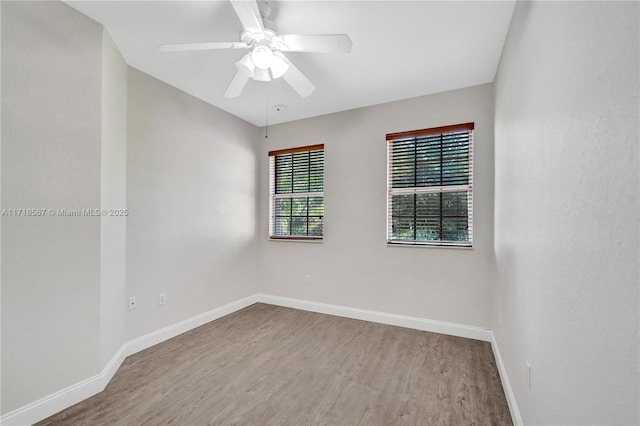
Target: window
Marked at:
430, 184
296, 188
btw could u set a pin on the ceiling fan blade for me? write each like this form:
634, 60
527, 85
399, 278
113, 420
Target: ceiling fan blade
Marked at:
202, 46
320, 43
296, 79
237, 84
249, 15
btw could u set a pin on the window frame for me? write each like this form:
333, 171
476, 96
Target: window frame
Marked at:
468, 188
273, 196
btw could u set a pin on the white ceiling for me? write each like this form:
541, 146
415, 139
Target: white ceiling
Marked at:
400, 50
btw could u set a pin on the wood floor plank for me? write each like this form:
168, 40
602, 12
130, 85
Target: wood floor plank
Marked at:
269, 365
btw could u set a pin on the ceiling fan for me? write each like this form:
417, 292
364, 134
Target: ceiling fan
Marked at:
265, 59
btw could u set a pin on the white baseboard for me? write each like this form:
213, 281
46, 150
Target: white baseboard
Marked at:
441, 327
58, 401
64, 398
506, 384
151, 339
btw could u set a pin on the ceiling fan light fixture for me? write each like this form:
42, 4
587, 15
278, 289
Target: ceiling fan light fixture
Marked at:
261, 75
262, 57
246, 65
279, 66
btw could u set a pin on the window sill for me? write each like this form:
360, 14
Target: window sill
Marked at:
427, 245
297, 239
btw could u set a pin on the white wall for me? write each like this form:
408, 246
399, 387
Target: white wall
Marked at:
113, 292
567, 211
51, 109
189, 168
353, 266
191, 190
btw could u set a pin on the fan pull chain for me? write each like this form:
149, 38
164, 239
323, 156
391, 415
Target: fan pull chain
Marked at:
266, 128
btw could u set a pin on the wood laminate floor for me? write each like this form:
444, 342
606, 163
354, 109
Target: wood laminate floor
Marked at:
268, 365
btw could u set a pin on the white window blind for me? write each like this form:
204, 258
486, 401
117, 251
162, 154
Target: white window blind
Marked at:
296, 188
430, 186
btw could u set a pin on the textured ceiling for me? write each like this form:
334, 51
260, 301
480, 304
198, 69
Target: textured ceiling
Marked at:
400, 50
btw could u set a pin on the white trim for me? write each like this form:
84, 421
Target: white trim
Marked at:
434, 326
516, 417
151, 339
64, 398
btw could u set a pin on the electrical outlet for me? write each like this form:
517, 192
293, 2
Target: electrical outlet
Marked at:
307, 279
162, 299
528, 374
133, 303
